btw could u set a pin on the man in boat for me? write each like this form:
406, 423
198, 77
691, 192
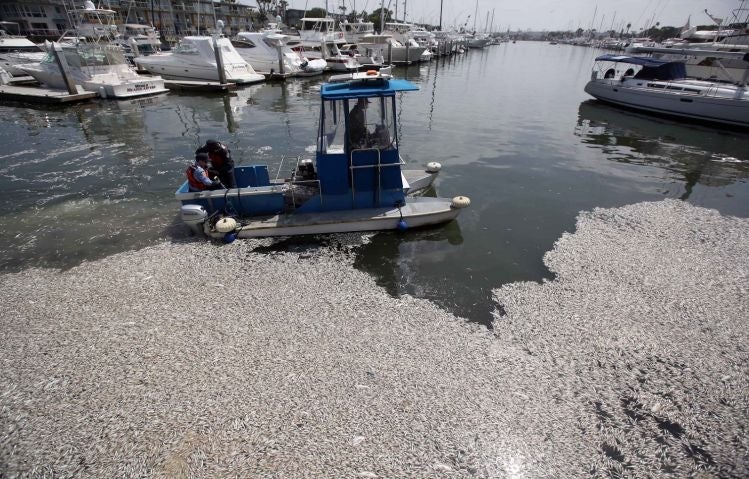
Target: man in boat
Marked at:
358, 134
197, 175
222, 164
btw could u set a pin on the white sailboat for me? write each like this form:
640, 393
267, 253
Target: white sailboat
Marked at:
661, 87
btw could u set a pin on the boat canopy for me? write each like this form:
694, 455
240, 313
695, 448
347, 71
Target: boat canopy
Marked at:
642, 61
652, 69
356, 88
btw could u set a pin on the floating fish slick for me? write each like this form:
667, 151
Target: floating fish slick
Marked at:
353, 184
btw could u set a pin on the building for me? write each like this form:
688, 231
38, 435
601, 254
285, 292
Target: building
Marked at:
48, 19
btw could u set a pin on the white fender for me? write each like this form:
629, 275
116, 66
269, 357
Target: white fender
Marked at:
226, 224
460, 202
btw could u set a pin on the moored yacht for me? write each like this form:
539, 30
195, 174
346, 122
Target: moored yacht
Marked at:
318, 30
97, 67
195, 59
705, 60
16, 51
328, 50
354, 31
662, 87
270, 54
390, 49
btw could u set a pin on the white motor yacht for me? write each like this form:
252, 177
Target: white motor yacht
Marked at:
390, 49
96, 67
354, 31
317, 30
138, 40
195, 59
661, 87
334, 58
270, 54
16, 51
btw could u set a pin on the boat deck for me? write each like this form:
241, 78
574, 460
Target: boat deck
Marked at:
198, 85
43, 95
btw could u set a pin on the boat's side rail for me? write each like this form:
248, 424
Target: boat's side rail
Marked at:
300, 191
361, 155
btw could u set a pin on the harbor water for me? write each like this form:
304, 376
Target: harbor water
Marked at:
510, 125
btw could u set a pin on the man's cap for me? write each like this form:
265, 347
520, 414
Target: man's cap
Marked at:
363, 100
201, 157
213, 145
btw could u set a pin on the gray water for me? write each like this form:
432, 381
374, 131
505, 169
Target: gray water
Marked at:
511, 126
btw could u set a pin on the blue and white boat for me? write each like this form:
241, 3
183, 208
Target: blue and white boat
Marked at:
662, 87
347, 187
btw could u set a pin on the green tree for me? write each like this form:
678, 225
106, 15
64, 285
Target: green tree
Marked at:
263, 8
374, 17
316, 13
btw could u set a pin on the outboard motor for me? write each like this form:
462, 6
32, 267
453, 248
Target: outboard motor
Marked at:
306, 170
194, 216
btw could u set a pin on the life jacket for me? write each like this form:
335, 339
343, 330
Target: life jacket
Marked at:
194, 183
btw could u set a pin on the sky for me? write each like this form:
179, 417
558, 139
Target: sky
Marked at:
545, 14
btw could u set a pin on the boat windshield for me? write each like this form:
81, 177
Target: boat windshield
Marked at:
88, 57
376, 132
319, 24
187, 49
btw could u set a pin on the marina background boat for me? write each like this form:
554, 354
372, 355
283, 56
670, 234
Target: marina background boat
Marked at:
89, 180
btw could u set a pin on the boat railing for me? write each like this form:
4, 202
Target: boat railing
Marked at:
294, 182
280, 165
379, 165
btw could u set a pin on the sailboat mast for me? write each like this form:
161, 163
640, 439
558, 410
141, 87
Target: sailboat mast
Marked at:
475, 14
441, 15
382, 15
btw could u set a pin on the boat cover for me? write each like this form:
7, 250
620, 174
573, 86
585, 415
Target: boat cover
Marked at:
205, 46
365, 88
652, 68
643, 61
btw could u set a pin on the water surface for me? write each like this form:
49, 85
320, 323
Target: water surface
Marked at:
511, 126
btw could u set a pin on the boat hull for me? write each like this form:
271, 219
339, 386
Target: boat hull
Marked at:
109, 82
176, 70
417, 212
728, 111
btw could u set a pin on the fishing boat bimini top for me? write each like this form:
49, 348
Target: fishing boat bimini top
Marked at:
364, 84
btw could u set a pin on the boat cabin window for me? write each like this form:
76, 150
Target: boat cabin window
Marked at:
319, 25
333, 126
379, 124
243, 44
186, 48
272, 43
609, 73
378, 131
